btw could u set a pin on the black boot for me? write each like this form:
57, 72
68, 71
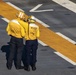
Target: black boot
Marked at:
27, 68
33, 67
8, 66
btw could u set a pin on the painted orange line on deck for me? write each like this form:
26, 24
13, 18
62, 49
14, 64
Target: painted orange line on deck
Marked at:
47, 36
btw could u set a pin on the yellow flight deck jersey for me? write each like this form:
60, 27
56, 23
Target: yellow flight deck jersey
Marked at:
15, 29
31, 30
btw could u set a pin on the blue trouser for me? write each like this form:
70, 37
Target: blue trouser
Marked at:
31, 52
16, 46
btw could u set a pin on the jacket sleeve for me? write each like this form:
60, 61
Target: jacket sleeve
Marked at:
8, 29
22, 32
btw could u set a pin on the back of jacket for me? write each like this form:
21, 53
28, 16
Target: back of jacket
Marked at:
15, 29
32, 32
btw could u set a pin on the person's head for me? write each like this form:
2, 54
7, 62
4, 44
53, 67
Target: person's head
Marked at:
31, 19
21, 15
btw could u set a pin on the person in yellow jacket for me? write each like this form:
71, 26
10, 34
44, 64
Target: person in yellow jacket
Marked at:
32, 33
17, 33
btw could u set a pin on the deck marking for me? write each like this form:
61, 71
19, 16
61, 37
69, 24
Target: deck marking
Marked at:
64, 57
39, 5
43, 44
45, 25
35, 8
70, 40
5, 20
67, 4
14, 6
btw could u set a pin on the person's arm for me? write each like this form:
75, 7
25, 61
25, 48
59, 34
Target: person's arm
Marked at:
22, 32
8, 29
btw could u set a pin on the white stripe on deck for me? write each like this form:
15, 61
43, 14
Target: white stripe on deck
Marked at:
68, 39
14, 6
39, 5
42, 43
45, 25
66, 58
67, 4
5, 20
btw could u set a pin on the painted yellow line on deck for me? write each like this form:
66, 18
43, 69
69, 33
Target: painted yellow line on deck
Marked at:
47, 36
7, 11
